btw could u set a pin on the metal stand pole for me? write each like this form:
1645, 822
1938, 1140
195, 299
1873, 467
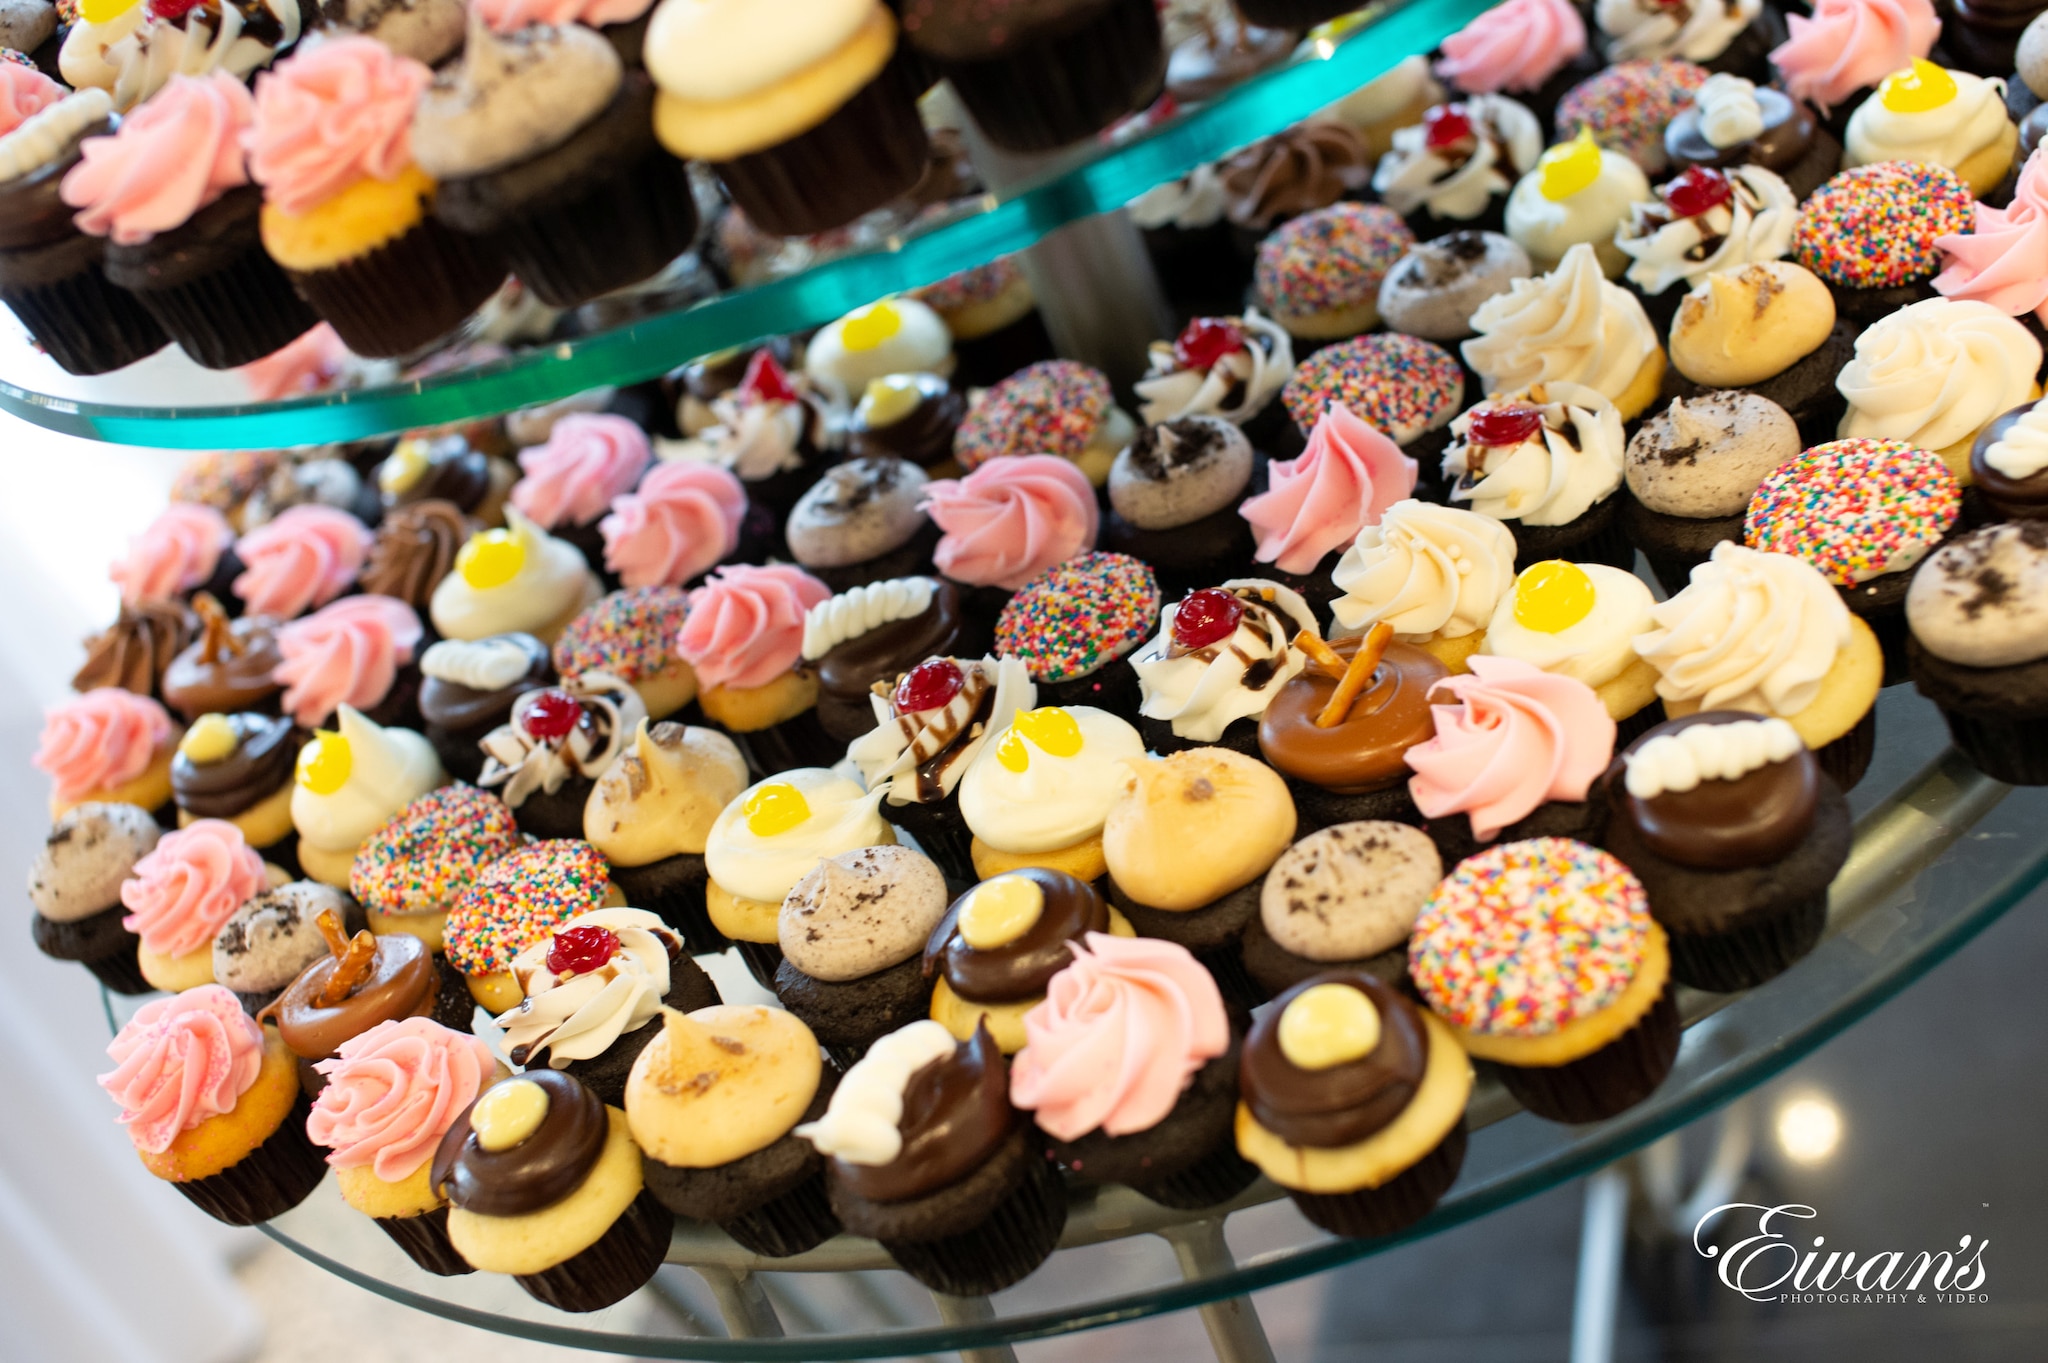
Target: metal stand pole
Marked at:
1602, 1233
748, 1312
1235, 1332
970, 1311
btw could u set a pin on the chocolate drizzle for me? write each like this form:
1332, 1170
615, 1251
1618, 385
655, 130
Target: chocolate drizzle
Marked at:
1364, 752
1345, 1103
136, 650
536, 1173
1719, 825
260, 766
924, 435
956, 1112
228, 668
1019, 969
1259, 614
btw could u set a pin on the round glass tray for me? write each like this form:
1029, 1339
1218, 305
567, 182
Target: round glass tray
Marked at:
1940, 851
1078, 184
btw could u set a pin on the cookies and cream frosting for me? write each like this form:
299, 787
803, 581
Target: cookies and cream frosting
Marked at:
775, 831
1048, 779
861, 912
1568, 459
1455, 168
90, 851
1570, 325
1753, 220
1937, 372
1429, 571
1982, 600
1752, 631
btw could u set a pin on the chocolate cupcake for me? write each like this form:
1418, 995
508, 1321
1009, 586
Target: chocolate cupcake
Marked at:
467, 688
364, 980
1173, 497
990, 958
554, 745
136, 650
1433, 291
861, 522
1221, 655
744, 636
1221, 367
1692, 469
869, 637
2007, 461
692, 389
1976, 648
1703, 221
75, 884
1735, 122
1342, 898
274, 936
239, 768
227, 670
906, 416
415, 548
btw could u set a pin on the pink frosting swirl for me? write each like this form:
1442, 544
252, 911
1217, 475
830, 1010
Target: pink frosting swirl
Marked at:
393, 1091
346, 654
180, 1061
1120, 1035
189, 885
24, 93
1516, 45
1344, 481
1850, 44
337, 111
590, 458
1011, 519
304, 558
100, 740
1519, 736
170, 158
684, 517
506, 15
310, 364
746, 624
2005, 261
178, 552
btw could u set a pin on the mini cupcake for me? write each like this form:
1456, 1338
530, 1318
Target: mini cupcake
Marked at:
2006, 464
1354, 1101
1315, 506
651, 813
238, 768
519, 580
410, 871
712, 1102
1935, 374
862, 521
893, 336
1192, 246
1570, 326
1455, 168
1009, 521
515, 901
1518, 755
569, 483
1727, 37
1735, 122
1319, 275
107, 746
1547, 461
1770, 329
1343, 898
993, 317
1797, 654
467, 688
1074, 623
445, 467
428, 31
228, 668
1038, 793
300, 560
1173, 495
75, 884
1535, 48
357, 983
187, 548
1224, 367
906, 416
270, 940
545, 759
1706, 220
1628, 106
136, 650
319, 476
1977, 646
853, 935
1130, 1069
631, 635
1433, 574
357, 652
744, 636
1580, 621
1578, 195
1055, 407
391, 1093
1297, 170
1870, 232
350, 780
1936, 116
771, 432
544, 1184
683, 518
927, 1155
180, 895
211, 1101
1433, 291
1221, 655
414, 548
1405, 388
1692, 469
869, 637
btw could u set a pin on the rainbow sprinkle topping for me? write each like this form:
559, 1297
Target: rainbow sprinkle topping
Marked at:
1052, 407
1874, 227
433, 848
627, 633
1628, 106
982, 284
8, 54
1078, 616
1401, 385
1855, 509
1525, 937
1330, 259
519, 899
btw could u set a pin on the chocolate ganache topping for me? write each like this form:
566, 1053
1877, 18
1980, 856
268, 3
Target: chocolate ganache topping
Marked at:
1019, 969
539, 1171
956, 1112
1718, 822
440, 468
850, 670
467, 687
1344, 1103
2020, 499
1786, 136
415, 548
259, 765
364, 980
1364, 751
908, 416
228, 668
136, 650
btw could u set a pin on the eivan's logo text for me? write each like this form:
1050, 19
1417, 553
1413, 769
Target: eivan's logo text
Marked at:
1764, 1264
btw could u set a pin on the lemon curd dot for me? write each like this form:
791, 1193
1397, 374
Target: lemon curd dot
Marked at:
775, 808
324, 764
1328, 1025
1552, 596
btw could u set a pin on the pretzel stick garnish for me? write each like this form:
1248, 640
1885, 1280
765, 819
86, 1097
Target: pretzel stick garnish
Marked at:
1357, 676
1325, 659
353, 958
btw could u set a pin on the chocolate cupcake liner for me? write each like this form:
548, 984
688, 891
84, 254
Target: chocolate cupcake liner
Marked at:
460, 756
454, 1006
2011, 750
798, 1220
425, 1241
1199, 268
624, 229
1612, 1079
233, 315
728, 1192
1179, 1156
405, 294
800, 741
1627, 731
1583, 820
1112, 687
1213, 927
994, 356
614, 1268
1394, 1205
1277, 970
674, 888
1188, 557
1019, 1233
849, 1016
1316, 808
1211, 1181
121, 973
912, 558
870, 150
555, 813
1594, 537
268, 1181
1042, 94
1241, 736
762, 960
1847, 758
1754, 950
941, 830
605, 1073
87, 325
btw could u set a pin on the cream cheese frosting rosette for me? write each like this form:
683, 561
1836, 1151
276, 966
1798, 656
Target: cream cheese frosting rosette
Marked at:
1228, 367
1570, 325
1940, 117
1707, 220
1696, 30
1459, 157
1432, 573
518, 580
350, 781
1220, 656
1578, 193
1937, 372
1040, 790
1543, 456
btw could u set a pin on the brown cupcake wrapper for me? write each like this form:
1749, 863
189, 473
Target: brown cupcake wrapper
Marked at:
1847, 758
1752, 951
1612, 1079
1045, 94
268, 1181
678, 899
2014, 751
410, 291
762, 960
1210, 1181
612, 1269
1019, 1233
241, 312
87, 325
798, 1220
625, 229
425, 1241
942, 831
1394, 1205
121, 972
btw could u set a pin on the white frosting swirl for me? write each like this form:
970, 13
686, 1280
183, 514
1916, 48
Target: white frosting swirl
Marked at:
1203, 691
1937, 372
2022, 451
1195, 200
1570, 325
1729, 111
1554, 476
756, 440
1755, 225
1596, 649
1412, 176
479, 664
1751, 631
853, 613
1679, 761
580, 1016
1697, 30
523, 763
1055, 801
84, 60
388, 770
1431, 572
48, 134
1255, 374
551, 580
861, 1124
764, 866
1547, 228
1946, 135
889, 754
145, 59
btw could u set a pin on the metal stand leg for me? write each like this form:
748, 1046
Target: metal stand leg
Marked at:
1235, 1332
1601, 1236
969, 1311
746, 1308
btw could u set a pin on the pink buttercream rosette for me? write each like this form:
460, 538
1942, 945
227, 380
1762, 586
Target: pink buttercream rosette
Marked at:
1518, 736
334, 113
2004, 262
1516, 46
1011, 519
683, 518
102, 739
1851, 44
189, 885
348, 654
180, 1061
1344, 481
177, 552
177, 153
1120, 1036
392, 1093
746, 625
506, 16
304, 558
310, 364
24, 93
590, 458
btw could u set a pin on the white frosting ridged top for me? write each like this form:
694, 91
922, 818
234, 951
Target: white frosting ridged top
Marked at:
579, 1017
1547, 228
1554, 476
1937, 372
1946, 135
48, 134
1431, 572
1755, 225
479, 664
387, 770
1729, 111
853, 613
717, 50
2022, 451
1698, 31
1678, 762
1254, 374
1202, 691
862, 1122
1056, 800
1412, 175
1596, 649
1751, 631
1571, 325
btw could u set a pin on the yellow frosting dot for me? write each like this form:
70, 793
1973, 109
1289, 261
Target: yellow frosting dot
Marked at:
102, 11
508, 1113
888, 400
775, 808
210, 739
1552, 596
866, 328
491, 559
325, 762
1050, 729
403, 468
1917, 89
1328, 1025
1569, 167
1000, 911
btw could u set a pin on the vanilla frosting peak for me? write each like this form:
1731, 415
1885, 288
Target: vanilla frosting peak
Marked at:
1936, 372
1570, 325
1429, 571
1752, 631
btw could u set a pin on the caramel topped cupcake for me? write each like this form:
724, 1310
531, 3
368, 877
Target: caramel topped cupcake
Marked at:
364, 980
227, 669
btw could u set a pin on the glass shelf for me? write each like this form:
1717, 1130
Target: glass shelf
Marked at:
1940, 852
1107, 177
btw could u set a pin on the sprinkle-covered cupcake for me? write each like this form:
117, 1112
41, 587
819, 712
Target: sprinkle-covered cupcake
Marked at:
1977, 645
107, 746
1074, 623
1319, 275
744, 636
1316, 505
1406, 388
1628, 106
631, 635
410, 871
1343, 898
1870, 232
1173, 495
993, 315
515, 901
1056, 407
75, 885
853, 935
